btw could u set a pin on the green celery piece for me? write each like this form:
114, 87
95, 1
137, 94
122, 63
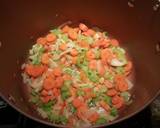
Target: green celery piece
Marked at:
87, 39
86, 85
63, 119
34, 99
114, 111
72, 108
35, 54
54, 117
34, 93
92, 102
48, 106
120, 70
120, 52
65, 95
107, 99
101, 120
97, 53
103, 89
68, 71
106, 34
64, 37
56, 31
80, 92
108, 76
67, 83
92, 75
64, 88
126, 96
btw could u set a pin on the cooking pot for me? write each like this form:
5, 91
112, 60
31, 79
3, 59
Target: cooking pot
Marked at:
135, 23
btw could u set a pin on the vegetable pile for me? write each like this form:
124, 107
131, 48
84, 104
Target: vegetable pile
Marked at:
78, 76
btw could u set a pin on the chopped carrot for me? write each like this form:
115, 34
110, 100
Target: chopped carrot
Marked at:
82, 111
94, 45
35, 70
83, 27
50, 75
121, 83
108, 84
112, 92
90, 55
128, 67
73, 92
67, 77
63, 47
116, 99
106, 55
51, 37
118, 105
83, 44
70, 123
45, 99
74, 52
41, 40
45, 58
48, 83
74, 60
76, 29
59, 82
83, 76
89, 32
66, 29
104, 43
77, 102
56, 92
57, 71
123, 86
104, 105
72, 34
44, 92
63, 60
114, 42
93, 64
100, 68
94, 117
88, 93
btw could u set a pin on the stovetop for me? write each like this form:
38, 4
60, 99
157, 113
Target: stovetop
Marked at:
14, 119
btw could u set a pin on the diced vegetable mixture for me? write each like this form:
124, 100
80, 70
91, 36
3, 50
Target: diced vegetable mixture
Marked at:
78, 77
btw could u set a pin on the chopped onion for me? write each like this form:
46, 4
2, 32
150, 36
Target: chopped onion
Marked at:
130, 84
115, 62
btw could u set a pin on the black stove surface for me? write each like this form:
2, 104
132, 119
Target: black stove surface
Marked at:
10, 118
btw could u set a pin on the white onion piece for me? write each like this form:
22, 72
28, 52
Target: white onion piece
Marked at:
115, 62
130, 84
37, 83
42, 113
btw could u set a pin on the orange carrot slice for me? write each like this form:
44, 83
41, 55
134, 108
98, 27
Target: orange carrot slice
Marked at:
72, 34
45, 58
90, 55
48, 83
51, 37
41, 40
74, 52
63, 47
93, 64
112, 92
57, 71
104, 105
83, 27
94, 117
35, 70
